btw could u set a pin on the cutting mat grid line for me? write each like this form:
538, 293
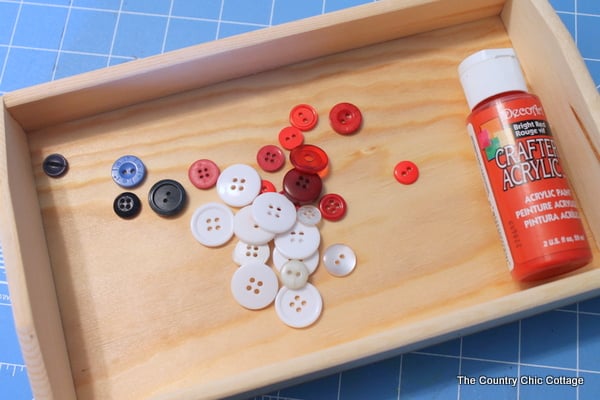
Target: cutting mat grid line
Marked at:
50, 39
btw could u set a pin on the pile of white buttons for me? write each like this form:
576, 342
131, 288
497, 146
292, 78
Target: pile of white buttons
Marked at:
260, 219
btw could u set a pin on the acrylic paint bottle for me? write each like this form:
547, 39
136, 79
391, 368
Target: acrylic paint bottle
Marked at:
531, 199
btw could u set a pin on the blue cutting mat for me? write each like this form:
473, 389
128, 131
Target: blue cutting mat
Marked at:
50, 39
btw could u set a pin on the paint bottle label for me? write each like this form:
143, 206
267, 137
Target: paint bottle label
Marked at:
532, 202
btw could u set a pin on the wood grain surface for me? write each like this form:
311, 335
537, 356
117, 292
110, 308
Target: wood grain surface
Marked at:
147, 311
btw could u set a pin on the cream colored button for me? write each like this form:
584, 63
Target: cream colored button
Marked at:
294, 274
339, 259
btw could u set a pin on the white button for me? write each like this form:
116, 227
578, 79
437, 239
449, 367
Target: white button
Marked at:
299, 308
299, 242
311, 262
212, 224
245, 253
247, 230
339, 259
238, 185
294, 274
254, 286
274, 212
309, 215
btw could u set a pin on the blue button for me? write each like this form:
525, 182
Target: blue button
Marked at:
128, 171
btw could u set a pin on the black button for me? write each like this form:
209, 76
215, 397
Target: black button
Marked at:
167, 197
55, 165
127, 205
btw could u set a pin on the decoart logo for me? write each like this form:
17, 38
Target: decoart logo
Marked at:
534, 111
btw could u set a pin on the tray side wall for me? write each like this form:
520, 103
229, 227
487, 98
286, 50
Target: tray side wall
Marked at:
31, 285
198, 66
571, 100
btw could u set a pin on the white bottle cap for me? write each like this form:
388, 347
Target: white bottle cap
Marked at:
490, 72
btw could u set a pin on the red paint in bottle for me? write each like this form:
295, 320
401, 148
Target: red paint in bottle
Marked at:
531, 199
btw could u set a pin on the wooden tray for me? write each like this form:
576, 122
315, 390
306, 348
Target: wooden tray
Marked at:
114, 309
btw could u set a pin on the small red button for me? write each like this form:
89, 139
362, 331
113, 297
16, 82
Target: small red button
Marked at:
309, 158
345, 118
332, 206
406, 172
203, 174
303, 117
302, 187
290, 137
267, 186
270, 158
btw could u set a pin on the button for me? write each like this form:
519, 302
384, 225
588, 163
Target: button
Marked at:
212, 224
245, 253
311, 262
294, 274
406, 172
345, 118
299, 308
247, 229
290, 137
55, 165
309, 215
203, 174
303, 117
299, 242
302, 187
254, 286
333, 207
238, 185
127, 205
270, 158
309, 158
339, 259
167, 197
267, 186
128, 171
274, 212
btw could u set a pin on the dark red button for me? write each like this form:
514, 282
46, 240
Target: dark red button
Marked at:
270, 158
203, 174
406, 172
332, 206
302, 187
303, 117
290, 137
309, 158
266, 186
345, 118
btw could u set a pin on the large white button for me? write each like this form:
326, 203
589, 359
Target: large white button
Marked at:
247, 230
311, 262
212, 224
299, 242
339, 259
274, 212
238, 185
294, 274
254, 286
309, 215
299, 308
245, 253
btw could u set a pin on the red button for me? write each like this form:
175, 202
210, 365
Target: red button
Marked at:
267, 186
345, 118
270, 158
406, 172
332, 206
309, 158
303, 117
203, 174
290, 137
302, 187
